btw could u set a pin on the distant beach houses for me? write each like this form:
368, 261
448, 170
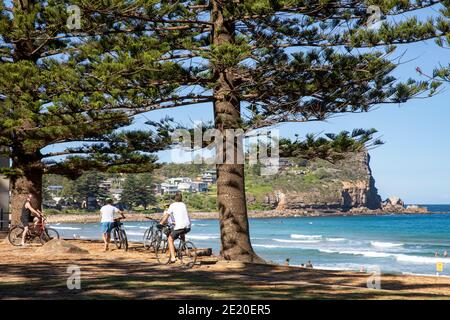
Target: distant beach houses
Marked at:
185, 184
170, 186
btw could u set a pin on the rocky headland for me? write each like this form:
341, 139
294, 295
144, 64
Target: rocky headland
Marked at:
322, 188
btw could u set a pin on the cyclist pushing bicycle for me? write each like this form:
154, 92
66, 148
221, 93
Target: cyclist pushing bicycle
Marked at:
108, 221
176, 215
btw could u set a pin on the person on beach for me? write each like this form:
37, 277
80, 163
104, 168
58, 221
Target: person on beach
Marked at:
107, 221
309, 265
28, 216
177, 214
445, 254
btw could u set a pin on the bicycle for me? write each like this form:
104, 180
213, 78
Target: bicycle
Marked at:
186, 252
36, 233
119, 235
151, 235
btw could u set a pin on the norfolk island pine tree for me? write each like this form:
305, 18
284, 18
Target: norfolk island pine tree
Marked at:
246, 66
51, 94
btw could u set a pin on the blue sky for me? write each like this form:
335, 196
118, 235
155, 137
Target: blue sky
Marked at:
414, 164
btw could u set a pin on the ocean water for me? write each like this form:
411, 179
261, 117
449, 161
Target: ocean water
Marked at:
389, 244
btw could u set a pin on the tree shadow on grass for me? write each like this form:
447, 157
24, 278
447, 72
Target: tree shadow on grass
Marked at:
109, 279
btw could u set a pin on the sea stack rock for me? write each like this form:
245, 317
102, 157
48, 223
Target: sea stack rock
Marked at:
393, 204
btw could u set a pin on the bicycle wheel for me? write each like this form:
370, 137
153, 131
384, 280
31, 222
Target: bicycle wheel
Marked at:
124, 240
15, 235
156, 240
188, 254
117, 240
49, 234
148, 237
162, 252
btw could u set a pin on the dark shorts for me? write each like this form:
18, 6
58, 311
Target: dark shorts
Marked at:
25, 220
176, 233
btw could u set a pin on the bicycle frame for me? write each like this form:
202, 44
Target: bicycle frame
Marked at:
38, 227
121, 234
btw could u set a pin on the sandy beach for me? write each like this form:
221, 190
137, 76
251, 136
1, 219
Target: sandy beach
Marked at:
28, 273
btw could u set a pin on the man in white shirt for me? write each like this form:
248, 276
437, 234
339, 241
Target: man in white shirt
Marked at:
107, 221
178, 213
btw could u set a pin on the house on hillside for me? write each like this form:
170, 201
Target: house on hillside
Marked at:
55, 191
116, 194
178, 180
185, 187
209, 177
199, 186
170, 189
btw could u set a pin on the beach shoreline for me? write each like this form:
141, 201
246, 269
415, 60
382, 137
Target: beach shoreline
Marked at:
139, 217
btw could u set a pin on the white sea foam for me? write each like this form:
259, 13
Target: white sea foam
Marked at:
303, 236
131, 233
380, 244
334, 267
336, 239
396, 256
202, 237
369, 254
127, 226
296, 241
65, 228
421, 260
200, 224
268, 246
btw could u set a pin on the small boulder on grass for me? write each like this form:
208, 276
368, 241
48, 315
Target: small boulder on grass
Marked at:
59, 246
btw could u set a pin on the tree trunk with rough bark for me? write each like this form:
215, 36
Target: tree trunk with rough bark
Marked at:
231, 198
21, 187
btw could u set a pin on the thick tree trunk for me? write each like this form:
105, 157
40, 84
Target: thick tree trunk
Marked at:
21, 186
231, 198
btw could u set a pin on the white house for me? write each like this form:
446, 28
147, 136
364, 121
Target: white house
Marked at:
116, 193
170, 189
199, 186
185, 187
209, 177
178, 180
55, 191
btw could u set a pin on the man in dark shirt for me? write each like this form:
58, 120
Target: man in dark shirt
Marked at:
27, 216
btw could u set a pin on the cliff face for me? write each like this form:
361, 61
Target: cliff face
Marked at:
324, 186
361, 193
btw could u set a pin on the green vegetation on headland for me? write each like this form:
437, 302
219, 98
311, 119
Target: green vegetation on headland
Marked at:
319, 177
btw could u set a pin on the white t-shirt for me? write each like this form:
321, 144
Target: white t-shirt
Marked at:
108, 213
179, 213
